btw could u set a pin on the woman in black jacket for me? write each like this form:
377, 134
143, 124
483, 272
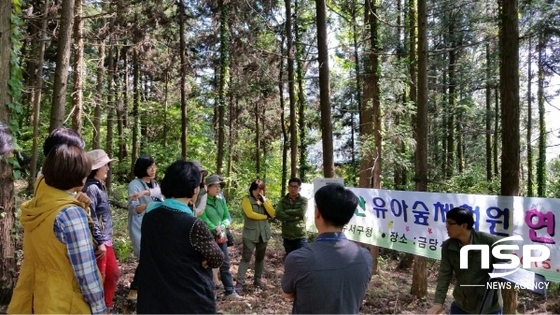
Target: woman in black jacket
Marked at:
178, 250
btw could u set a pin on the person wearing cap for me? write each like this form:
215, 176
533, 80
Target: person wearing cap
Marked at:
59, 273
142, 190
217, 218
103, 219
199, 206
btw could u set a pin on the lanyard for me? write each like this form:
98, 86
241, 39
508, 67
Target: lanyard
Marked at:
337, 236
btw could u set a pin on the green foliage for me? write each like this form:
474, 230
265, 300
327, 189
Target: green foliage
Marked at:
553, 177
471, 181
122, 247
553, 289
15, 84
121, 242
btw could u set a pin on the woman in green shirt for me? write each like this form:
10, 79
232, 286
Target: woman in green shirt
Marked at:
216, 216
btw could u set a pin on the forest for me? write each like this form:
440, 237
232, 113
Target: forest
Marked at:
417, 95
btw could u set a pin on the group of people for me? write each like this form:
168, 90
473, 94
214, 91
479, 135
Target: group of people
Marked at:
70, 200
180, 227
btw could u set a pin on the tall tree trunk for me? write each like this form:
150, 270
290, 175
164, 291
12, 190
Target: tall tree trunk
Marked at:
8, 218
183, 70
122, 106
110, 106
257, 140
135, 109
232, 121
367, 159
33, 42
358, 92
444, 118
283, 119
78, 74
460, 136
62, 64
370, 168
488, 115
451, 98
143, 115
509, 95
530, 192
496, 129
232, 136
541, 161
300, 73
370, 114
400, 172
324, 90
224, 79
165, 104
419, 287
401, 54
37, 89
291, 88
412, 56
375, 100
98, 96
263, 145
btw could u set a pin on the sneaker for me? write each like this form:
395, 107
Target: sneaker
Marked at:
260, 284
233, 296
238, 287
132, 295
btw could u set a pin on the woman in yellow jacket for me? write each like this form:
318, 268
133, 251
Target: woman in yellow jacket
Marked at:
58, 274
257, 209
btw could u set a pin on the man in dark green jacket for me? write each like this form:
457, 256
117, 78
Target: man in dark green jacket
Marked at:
291, 212
470, 284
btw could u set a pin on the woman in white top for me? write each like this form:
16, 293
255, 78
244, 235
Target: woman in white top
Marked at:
142, 190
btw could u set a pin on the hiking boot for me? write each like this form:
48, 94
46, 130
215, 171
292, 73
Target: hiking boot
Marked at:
238, 287
260, 284
232, 296
132, 295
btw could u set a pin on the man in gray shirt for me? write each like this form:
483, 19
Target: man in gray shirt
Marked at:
331, 275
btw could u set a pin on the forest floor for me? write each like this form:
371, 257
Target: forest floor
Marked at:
388, 292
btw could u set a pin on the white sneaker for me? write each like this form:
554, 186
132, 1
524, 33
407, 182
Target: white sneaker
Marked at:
233, 296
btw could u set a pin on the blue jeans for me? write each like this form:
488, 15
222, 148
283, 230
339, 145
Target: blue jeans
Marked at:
291, 245
225, 275
455, 309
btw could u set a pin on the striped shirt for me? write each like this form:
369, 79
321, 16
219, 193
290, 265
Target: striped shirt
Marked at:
71, 228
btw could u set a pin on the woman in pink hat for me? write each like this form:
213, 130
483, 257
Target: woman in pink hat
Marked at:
103, 220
